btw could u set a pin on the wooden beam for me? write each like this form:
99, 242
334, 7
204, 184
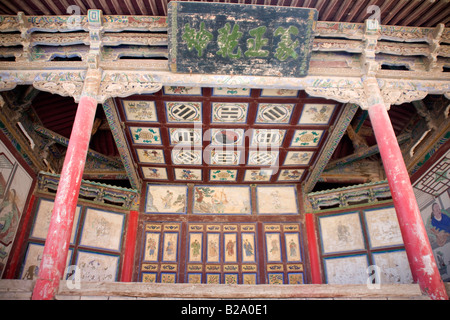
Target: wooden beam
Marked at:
262, 291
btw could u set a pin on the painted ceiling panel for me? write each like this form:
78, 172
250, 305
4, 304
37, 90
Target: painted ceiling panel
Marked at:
217, 135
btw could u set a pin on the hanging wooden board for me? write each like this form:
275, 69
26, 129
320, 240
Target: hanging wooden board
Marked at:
235, 39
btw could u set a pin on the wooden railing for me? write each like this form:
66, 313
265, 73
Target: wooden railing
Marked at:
22, 290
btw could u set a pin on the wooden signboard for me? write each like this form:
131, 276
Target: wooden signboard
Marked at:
235, 39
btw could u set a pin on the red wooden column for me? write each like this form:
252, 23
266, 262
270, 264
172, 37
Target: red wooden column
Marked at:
417, 245
130, 247
313, 250
57, 243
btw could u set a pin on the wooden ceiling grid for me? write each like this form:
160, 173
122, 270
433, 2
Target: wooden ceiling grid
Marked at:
165, 151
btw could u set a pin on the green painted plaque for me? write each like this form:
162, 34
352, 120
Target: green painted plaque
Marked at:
235, 39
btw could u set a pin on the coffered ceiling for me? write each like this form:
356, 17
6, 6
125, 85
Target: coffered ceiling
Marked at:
216, 135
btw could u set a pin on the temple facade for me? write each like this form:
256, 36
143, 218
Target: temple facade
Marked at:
182, 145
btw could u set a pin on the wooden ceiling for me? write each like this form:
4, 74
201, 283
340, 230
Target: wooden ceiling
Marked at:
158, 161
217, 135
420, 13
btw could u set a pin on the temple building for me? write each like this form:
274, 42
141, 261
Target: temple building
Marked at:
270, 149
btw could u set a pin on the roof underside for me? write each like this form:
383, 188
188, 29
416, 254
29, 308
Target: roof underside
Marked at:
284, 110
419, 13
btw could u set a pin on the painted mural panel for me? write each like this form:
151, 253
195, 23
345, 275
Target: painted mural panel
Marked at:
432, 191
230, 249
103, 229
15, 184
140, 110
195, 247
170, 247
151, 250
341, 233
43, 217
276, 200
188, 174
383, 227
166, 199
316, 113
346, 270
236, 92
97, 267
279, 93
273, 247
248, 247
179, 90
292, 242
32, 261
160, 253
258, 175
222, 200
154, 173
290, 175
298, 158
394, 267
150, 156
213, 247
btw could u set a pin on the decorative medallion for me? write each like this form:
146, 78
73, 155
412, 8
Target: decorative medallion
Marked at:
298, 157
274, 113
178, 90
145, 135
184, 111
229, 112
262, 158
279, 93
306, 138
222, 175
154, 173
150, 156
140, 110
267, 137
185, 136
258, 175
237, 92
290, 174
187, 156
316, 113
224, 157
221, 137
187, 174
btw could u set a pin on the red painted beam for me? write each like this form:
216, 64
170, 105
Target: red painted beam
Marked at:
130, 247
57, 243
313, 249
417, 245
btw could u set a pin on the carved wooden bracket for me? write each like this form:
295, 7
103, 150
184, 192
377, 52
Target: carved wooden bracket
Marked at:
368, 92
104, 85
7, 85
